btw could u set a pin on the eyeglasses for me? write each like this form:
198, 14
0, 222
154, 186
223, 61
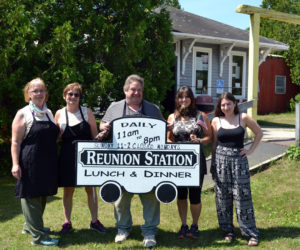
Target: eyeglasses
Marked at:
73, 94
38, 91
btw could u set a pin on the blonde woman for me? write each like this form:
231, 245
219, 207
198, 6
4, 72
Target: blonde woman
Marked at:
34, 157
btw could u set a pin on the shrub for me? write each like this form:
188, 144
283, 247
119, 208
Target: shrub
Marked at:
293, 102
5, 157
293, 152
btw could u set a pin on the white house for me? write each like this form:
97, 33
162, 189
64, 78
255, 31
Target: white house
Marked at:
212, 57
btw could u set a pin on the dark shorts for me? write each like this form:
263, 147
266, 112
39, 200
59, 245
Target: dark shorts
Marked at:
194, 192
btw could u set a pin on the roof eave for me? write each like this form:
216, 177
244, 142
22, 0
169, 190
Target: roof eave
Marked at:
221, 40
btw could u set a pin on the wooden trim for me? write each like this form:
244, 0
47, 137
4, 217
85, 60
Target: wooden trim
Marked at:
224, 54
189, 51
271, 14
262, 57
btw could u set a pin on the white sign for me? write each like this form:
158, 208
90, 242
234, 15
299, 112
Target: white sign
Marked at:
220, 86
138, 158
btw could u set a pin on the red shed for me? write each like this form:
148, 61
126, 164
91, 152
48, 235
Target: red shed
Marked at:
275, 86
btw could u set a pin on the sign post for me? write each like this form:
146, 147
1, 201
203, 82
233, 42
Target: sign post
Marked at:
298, 124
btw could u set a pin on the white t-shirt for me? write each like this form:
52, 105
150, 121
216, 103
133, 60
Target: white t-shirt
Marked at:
28, 116
74, 118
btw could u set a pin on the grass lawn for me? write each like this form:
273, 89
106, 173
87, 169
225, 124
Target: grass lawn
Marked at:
284, 120
276, 193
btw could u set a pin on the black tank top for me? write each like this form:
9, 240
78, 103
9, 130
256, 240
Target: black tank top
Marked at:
232, 137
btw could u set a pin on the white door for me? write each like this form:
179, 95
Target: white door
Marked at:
202, 64
237, 74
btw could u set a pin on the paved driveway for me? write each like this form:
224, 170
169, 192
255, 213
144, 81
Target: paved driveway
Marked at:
265, 151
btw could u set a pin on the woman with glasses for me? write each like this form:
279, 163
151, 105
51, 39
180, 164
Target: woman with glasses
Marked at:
34, 157
76, 123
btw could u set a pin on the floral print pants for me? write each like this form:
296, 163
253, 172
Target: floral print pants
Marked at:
232, 183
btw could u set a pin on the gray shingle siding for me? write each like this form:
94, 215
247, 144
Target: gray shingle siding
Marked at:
186, 78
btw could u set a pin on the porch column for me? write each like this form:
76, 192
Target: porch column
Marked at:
255, 14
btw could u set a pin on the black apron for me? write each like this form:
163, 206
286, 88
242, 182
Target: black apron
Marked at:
38, 161
67, 167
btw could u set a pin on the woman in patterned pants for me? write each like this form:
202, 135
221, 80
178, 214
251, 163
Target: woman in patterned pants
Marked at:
230, 168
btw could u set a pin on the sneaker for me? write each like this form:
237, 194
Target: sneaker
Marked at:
121, 235
66, 228
149, 241
193, 232
45, 229
98, 227
183, 231
49, 242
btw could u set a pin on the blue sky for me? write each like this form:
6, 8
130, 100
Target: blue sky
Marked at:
220, 10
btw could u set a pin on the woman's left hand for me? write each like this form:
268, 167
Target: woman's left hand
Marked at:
16, 171
244, 152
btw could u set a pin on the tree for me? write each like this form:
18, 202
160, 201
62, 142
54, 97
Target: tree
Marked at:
284, 32
96, 43
173, 3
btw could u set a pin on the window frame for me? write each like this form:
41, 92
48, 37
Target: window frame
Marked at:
276, 87
245, 84
209, 76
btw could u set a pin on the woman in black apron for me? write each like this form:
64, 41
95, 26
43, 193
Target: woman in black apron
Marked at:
34, 156
76, 123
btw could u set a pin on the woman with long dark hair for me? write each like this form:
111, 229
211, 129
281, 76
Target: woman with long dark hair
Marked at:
230, 167
189, 126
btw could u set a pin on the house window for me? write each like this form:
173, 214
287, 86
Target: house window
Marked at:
280, 84
202, 70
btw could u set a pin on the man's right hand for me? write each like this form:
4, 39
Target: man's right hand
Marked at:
102, 135
105, 128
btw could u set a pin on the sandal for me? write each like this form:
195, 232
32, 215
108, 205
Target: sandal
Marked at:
229, 237
253, 242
